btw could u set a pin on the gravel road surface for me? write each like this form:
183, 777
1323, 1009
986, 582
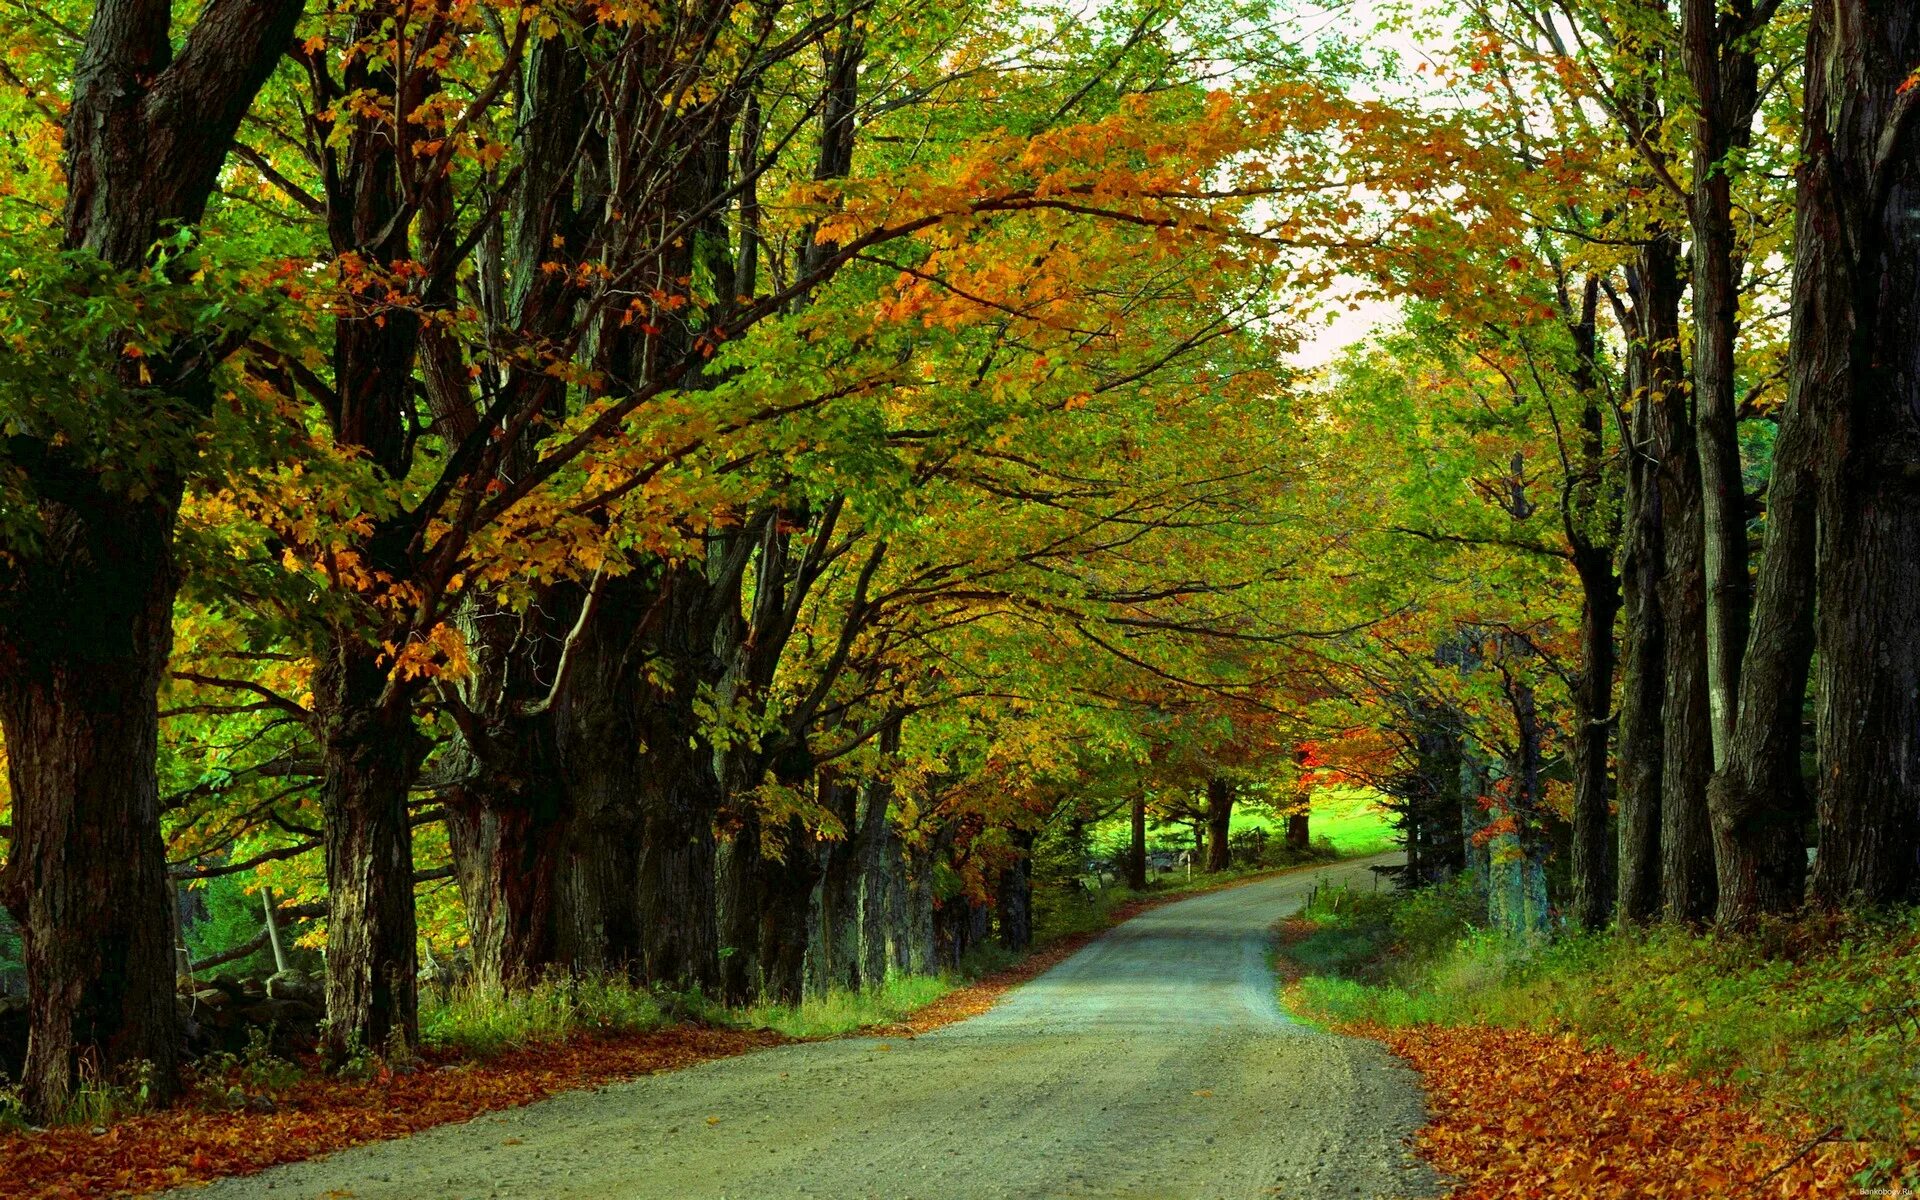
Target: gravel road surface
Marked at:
1154, 1063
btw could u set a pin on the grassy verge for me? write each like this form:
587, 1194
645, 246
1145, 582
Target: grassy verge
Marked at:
1816, 1018
476, 1024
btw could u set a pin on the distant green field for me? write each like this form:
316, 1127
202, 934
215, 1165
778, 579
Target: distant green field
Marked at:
1350, 817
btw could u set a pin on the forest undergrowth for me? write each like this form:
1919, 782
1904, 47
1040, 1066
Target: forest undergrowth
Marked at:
1663, 1061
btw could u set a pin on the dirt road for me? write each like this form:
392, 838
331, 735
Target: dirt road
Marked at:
1153, 1064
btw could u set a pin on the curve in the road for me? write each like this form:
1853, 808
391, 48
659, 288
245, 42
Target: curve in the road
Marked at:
1155, 1063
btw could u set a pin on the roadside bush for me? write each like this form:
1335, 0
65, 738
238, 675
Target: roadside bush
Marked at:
1429, 922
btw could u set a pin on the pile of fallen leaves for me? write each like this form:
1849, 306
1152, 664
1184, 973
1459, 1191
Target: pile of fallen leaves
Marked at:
318, 1115
1519, 1113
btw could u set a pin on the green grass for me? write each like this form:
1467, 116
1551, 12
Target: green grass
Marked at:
1820, 1016
480, 1022
842, 1012
1351, 818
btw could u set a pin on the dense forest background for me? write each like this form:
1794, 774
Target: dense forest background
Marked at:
700, 494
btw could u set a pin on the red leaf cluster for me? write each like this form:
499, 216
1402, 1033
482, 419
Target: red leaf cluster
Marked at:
1518, 1113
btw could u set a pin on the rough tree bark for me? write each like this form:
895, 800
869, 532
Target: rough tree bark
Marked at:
835, 952
1654, 372
1219, 824
508, 820
371, 751
922, 955
1718, 48
1014, 898
597, 746
1758, 799
1861, 261
1591, 534
85, 617
506, 834
879, 855
1686, 838
1137, 846
371, 754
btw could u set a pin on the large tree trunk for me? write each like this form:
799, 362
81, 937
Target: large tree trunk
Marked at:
1593, 885
1758, 800
1720, 63
506, 808
741, 885
1014, 899
85, 613
1517, 888
899, 910
1860, 264
1686, 838
507, 836
1654, 371
679, 935
1219, 824
876, 885
922, 954
835, 951
1300, 828
597, 748
370, 755
1591, 532
1137, 846
784, 915
371, 751
86, 876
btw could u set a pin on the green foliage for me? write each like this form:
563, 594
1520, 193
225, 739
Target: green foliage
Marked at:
1818, 1015
262, 1069
235, 1081
233, 917
13, 1108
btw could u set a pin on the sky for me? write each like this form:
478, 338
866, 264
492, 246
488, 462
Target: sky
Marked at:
1349, 327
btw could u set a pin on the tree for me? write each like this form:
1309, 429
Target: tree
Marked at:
1219, 823
86, 607
1857, 312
